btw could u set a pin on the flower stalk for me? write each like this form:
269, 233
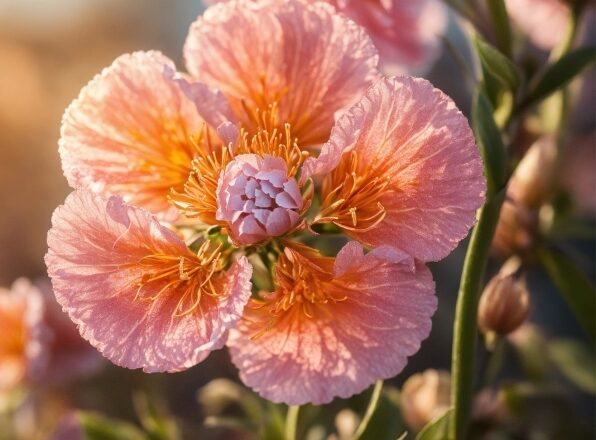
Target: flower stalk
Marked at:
465, 330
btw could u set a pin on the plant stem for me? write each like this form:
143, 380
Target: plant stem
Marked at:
465, 328
292, 422
370, 410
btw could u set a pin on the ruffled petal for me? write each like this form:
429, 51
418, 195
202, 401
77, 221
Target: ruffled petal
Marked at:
375, 314
309, 60
109, 267
418, 173
129, 131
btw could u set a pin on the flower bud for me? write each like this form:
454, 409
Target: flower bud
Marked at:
533, 178
425, 396
504, 305
517, 229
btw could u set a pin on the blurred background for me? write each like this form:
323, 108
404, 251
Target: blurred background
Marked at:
49, 49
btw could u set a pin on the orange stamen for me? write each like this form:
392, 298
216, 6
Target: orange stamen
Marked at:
351, 196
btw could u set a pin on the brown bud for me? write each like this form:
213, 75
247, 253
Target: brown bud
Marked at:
517, 229
425, 396
533, 179
504, 305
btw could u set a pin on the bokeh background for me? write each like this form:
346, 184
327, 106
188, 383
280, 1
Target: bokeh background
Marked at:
49, 49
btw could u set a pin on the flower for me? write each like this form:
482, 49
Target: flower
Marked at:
333, 326
544, 21
407, 34
401, 168
136, 291
23, 338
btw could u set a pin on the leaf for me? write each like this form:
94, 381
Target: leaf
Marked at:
98, 427
403, 436
490, 143
500, 25
497, 64
153, 417
575, 361
575, 287
436, 429
560, 73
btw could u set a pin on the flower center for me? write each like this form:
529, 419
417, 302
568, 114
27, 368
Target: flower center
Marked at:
257, 198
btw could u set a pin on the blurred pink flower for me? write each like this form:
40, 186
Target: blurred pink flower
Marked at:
333, 326
401, 168
406, 33
137, 293
23, 335
544, 21
257, 198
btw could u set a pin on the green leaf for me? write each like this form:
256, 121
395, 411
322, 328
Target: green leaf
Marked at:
154, 418
436, 429
98, 427
560, 73
500, 25
490, 143
497, 64
575, 361
575, 287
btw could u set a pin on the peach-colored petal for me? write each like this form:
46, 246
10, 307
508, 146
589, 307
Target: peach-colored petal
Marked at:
418, 177
406, 33
308, 59
23, 335
130, 285
129, 131
355, 321
544, 21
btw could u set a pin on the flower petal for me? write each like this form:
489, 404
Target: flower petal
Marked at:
96, 259
308, 59
128, 132
410, 136
345, 344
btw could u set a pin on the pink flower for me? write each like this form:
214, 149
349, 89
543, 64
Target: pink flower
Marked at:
333, 326
406, 33
137, 293
23, 341
257, 198
544, 21
304, 58
401, 168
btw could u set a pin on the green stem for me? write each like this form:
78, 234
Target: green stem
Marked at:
465, 329
292, 422
370, 410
